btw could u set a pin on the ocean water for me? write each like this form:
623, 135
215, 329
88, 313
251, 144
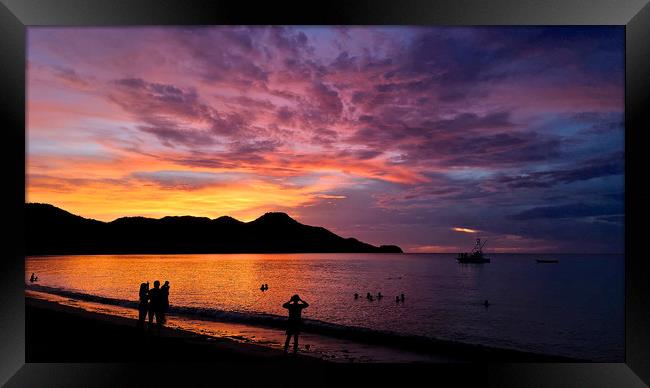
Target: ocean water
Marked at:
574, 308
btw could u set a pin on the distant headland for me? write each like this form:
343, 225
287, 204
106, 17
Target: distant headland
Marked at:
50, 230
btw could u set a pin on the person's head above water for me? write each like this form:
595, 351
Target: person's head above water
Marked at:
294, 298
156, 284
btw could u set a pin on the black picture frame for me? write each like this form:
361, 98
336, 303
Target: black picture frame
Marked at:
16, 15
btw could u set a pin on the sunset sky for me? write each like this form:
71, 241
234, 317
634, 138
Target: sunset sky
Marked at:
420, 137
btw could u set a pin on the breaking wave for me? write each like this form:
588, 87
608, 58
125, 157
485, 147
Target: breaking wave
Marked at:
355, 333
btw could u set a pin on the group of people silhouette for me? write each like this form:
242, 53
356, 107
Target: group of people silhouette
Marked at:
264, 287
370, 297
33, 278
155, 303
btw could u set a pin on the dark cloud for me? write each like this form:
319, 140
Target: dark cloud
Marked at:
597, 123
325, 137
614, 219
466, 121
285, 114
146, 99
574, 210
261, 146
363, 154
501, 149
594, 168
343, 62
479, 148
456, 64
184, 180
165, 109
60, 184
172, 135
326, 99
359, 96
230, 124
70, 75
378, 136
410, 86
245, 101
224, 53
289, 40
366, 118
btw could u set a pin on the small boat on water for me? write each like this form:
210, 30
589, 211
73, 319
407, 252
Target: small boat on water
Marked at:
540, 261
476, 256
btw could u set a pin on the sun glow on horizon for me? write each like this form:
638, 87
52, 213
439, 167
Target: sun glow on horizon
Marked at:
390, 146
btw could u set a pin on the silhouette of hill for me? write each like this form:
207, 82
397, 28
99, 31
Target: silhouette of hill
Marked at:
50, 230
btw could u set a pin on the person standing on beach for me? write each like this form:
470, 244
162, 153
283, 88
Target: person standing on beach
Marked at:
155, 305
143, 305
295, 306
164, 301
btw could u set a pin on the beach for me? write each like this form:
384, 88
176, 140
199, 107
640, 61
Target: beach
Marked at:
56, 332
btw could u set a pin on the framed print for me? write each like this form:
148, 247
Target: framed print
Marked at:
365, 191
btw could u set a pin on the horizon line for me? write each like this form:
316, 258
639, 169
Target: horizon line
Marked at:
523, 253
287, 214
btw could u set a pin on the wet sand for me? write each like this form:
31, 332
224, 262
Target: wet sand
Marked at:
340, 350
60, 332
57, 333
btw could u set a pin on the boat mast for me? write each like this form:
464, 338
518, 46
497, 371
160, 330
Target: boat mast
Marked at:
479, 247
482, 245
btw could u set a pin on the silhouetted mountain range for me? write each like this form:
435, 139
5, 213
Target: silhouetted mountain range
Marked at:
50, 230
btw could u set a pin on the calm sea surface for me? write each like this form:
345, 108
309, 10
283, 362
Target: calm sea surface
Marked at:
573, 308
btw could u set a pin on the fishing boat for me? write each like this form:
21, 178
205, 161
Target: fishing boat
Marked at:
547, 261
476, 256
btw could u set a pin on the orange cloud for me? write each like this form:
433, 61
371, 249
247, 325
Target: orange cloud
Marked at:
464, 230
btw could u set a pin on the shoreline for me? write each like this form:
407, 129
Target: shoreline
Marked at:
404, 349
59, 333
